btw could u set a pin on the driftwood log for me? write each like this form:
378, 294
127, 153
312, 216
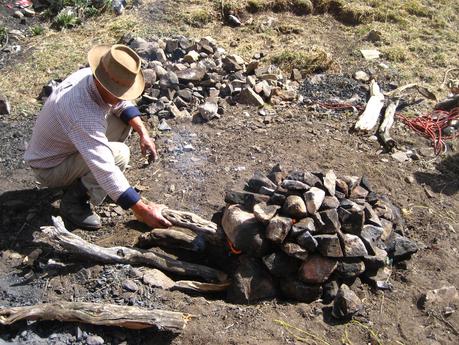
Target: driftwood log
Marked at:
61, 239
386, 125
200, 287
190, 221
174, 237
367, 121
99, 314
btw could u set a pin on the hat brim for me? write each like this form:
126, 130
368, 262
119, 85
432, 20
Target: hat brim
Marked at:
119, 91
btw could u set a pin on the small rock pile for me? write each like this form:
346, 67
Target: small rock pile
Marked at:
184, 76
304, 234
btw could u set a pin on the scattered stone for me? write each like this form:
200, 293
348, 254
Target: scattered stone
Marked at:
314, 198
164, 126
329, 245
278, 228
370, 54
264, 213
233, 20
251, 282
5, 108
403, 248
374, 36
380, 278
400, 156
346, 303
259, 180
157, 278
353, 246
361, 76
409, 179
208, 110
94, 340
300, 291
317, 269
249, 97
295, 207
130, 285
191, 74
188, 148
191, 56
441, 298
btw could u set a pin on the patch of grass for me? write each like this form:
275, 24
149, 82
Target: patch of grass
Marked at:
310, 61
415, 8
37, 30
199, 17
301, 7
257, 5
66, 19
396, 53
3, 34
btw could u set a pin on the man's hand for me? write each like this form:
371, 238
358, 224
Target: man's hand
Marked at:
148, 147
150, 214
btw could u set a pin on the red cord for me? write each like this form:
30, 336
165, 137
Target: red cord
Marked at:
431, 126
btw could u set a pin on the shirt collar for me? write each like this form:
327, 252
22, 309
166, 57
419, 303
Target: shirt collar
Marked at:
95, 95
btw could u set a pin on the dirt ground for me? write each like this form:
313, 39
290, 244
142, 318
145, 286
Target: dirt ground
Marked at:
226, 153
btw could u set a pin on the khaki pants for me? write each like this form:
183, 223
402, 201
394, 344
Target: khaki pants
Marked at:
74, 166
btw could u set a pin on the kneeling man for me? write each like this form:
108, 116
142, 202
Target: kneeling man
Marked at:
77, 141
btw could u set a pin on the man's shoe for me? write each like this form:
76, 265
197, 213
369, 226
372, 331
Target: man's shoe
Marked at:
76, 209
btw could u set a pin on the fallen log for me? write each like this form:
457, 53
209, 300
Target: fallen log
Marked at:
174, 237
200, 287
190, 221
61, 239
386, 125
370, 115
98, 314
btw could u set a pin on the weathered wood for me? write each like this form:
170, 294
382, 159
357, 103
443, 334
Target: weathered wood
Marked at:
386, 125
370, 115
190, 221
59, 237
200, 287
174, 237
99, 314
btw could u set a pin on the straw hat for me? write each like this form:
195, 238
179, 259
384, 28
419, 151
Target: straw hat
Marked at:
117, 68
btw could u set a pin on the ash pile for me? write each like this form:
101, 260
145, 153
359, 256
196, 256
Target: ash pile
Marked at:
186, 77
304, 236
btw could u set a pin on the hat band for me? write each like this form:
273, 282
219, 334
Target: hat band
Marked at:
115, 78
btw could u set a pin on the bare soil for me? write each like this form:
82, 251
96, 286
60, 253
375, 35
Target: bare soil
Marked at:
226, 153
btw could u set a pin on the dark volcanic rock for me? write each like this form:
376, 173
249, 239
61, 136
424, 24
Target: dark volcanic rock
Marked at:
296, 186
305, 224
331, 221
259, 180
330, 290
295, 207
278, 229
353, 246
264, 213
351, 221
295, 250
350, 268
329, 245
403, 248
281, 265
346, 303
307, 241
251, 282
317, 269
300, 291
247, 199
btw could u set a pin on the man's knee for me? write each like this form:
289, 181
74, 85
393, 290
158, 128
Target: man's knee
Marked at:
121, 153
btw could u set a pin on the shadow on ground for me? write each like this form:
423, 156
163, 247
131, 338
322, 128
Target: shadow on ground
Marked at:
446, 180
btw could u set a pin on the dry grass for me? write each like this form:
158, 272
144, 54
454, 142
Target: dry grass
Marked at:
55, 55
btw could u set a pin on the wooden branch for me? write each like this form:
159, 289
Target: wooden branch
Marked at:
190, 221
370, 116
98, 314
174, 237
386, 125
60, 238
200, 287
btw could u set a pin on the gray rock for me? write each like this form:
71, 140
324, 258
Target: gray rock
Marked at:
312, 180
5, 108
232, 63
329, 245
330, 202
259, 180
130, 285
371, 217
331, 221
191, 74
305, 224
330, 182
300, 291
251, 282
314, 198
358, 193
403, 248
317, 269
281, 265
94, 340
371, 236
249, 97
361, 76
168, 81
379, 278
400, 156
149, 76
351, 221
295, 207
233, 20
208, 110
246, 199
296, 186
342, 186
157, 278
439, 299
307, 241
164, 126
185, 94
264, 213
159, 70
353, 246
296, 75
278, 229
350, 268
191, 56
295, 250
330, 290
377, 261
346, 303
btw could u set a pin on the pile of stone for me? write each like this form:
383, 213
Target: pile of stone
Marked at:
306, 236
185, 77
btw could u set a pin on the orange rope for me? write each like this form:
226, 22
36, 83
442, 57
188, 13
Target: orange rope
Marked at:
232, 248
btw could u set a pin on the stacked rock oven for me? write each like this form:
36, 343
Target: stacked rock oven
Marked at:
302, 235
